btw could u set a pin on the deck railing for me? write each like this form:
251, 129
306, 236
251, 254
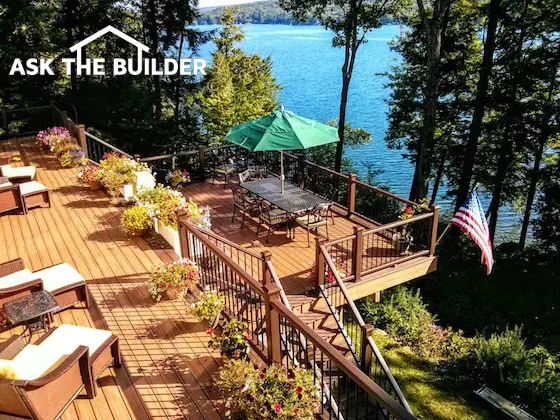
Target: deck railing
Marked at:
355, 331
279, 335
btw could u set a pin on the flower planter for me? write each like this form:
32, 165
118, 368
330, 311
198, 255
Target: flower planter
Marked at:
171, 236
127, 191
94, 185
401, 243
174, 293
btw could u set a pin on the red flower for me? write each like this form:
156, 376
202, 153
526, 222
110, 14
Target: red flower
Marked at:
291, 374
299, 389
236, 355
409, 210
296, 411
210, 331
169, 286
261, 376
277, 408
275, 376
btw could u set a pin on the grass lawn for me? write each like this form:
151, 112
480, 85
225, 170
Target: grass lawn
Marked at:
429, 396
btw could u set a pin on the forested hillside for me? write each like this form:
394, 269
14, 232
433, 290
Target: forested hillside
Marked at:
264, 12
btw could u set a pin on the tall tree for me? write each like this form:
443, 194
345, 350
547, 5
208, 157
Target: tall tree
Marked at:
350, 21
238, 86
433, 17
479, 103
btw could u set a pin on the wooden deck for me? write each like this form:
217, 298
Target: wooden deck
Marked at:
168, 368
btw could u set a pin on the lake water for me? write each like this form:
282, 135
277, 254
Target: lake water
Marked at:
308, 68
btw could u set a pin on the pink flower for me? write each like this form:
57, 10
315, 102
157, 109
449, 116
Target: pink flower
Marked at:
236, 355
277, 408
249, 336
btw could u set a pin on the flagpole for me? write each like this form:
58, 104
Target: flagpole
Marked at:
449, 224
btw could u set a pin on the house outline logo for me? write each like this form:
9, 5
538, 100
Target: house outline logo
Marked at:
121, 66
77, 48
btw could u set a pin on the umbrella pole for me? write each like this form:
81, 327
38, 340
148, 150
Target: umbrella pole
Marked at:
282, 171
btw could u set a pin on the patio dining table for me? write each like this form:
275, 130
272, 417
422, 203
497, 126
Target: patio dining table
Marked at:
294, 199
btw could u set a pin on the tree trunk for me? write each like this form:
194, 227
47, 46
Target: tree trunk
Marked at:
439, 175
480, 100
535, 173
153, 33
69, 23
433, 30
178, 79
341, 122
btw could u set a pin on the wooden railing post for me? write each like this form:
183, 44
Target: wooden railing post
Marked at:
202, 162
272, 319
357, 252
183, 236
301, 171
82, 138
65, 120
266, 275
366, 352
434, 229
351, 203
319, 264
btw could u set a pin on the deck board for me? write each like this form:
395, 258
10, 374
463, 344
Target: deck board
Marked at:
167, 370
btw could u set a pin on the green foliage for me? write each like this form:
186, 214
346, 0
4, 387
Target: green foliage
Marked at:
136, 220
530, 377
117, 171
251, 393
238, 87
233, 340
547, 226
209, 304
163, 203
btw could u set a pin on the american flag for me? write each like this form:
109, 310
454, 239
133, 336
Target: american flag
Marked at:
470, 219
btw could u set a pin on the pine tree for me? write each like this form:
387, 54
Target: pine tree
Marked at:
238, 86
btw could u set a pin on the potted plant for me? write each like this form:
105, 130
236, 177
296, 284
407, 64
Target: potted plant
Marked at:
136, 220
273, 392
178, 177
72, 158
233, 341
208, 306
329, 276
52, 136
91, 175
119, 174
173, 279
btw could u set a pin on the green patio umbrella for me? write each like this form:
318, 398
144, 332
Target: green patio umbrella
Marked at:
281, 130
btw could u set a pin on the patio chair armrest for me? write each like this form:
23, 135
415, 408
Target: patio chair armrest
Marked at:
80, 355
12, 266
32, 285
12, 347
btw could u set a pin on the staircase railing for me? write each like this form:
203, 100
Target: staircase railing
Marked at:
353, 328
278, 335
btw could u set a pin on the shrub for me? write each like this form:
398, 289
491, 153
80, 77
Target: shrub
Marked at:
208, 306
136, 220
530, 377
233, 340
179, 275
275, 392
401, 313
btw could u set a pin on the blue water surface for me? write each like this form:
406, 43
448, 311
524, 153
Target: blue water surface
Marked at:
309, 70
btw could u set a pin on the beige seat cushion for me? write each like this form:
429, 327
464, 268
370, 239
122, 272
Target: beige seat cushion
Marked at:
59, 276
18, 172
311, 220
17, 278
67, 338
31, 187
32, 362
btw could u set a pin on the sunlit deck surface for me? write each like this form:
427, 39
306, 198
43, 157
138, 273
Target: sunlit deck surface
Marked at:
167, 366
292, 257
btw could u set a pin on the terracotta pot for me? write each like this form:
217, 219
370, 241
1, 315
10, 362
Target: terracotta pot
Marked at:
139, 233
174, 293
94, 185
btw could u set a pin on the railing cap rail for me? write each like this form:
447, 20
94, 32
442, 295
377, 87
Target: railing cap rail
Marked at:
110, 146
345, 365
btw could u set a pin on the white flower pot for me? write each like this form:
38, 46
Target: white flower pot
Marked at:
171, 236
156, 225
127, 191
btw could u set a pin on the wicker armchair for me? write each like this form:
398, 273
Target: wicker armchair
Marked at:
314, 219
46, 397
10, 197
